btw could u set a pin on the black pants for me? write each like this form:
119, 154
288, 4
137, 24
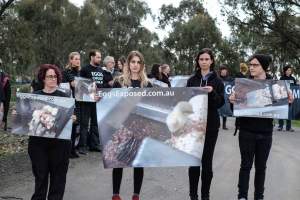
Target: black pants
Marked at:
89, 136
49, 158
5, 113
207, 162
288, 124
253, 146
73, 136
224, 122
138, 175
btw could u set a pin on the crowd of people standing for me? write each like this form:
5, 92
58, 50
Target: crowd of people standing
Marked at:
50, 157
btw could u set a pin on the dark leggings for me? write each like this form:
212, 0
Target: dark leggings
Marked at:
138, 175
253, 148
207, 162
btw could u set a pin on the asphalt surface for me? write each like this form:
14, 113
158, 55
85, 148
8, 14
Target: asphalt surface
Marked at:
88, 180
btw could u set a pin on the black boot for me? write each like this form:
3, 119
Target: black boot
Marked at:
194, 197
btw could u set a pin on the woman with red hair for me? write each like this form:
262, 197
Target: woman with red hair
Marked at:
49, 156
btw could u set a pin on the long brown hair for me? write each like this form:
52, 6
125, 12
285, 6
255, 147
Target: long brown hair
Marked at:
125, 78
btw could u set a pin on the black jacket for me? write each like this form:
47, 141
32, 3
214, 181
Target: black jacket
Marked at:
291, 78
262, 126
215, 98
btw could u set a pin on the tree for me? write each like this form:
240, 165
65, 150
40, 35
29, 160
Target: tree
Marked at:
4, 5
193, 29
271, 26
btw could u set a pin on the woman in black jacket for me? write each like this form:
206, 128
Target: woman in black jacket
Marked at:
71, 71
133, 76
255, 137
206, 78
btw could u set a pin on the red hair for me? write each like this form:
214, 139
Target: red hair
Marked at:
43, 70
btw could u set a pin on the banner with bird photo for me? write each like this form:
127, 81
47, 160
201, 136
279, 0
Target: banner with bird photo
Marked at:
261, 98
152, 127
43, 116
85, 89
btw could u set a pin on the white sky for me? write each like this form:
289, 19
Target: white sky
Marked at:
212, 6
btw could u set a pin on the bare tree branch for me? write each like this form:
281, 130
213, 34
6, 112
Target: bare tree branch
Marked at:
4, 5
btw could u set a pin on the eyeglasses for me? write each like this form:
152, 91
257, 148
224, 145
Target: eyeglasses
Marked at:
254, 65
52, 77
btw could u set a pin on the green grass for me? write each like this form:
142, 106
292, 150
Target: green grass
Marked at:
296, 123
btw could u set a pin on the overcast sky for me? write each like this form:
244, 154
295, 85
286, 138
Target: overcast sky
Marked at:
212, 6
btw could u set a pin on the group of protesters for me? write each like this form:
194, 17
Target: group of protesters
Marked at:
50, 157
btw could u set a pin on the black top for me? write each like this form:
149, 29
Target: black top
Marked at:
6, 88
57, 93
240, 75
69, 76
215, 98
226, 78
263, 126
291, 78
36, 85
2, 96
165, 79
134, 84
97, 74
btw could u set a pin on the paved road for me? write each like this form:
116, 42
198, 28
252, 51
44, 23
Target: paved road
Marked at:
87, 180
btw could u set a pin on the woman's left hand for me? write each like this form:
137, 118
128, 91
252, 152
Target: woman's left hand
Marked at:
209, 89
74, 118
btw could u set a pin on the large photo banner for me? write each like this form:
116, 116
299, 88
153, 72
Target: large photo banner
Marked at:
226, 110
65, 87
261, 98
295, 106
43, 116
85, 89
152, 127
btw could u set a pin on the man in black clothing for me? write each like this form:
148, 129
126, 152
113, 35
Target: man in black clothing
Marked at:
5, 84
287, 75
90, 136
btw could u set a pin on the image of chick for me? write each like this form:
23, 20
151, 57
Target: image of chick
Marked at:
187, 123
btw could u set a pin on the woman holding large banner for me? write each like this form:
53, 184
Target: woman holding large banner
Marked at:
49, 156
133, 76
255, 137
206, 78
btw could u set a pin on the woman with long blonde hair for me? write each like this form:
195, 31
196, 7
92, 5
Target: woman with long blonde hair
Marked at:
70, 72
134, 71
133, 76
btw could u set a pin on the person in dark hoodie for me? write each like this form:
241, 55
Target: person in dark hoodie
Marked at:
207, 78
255, 137
287, 75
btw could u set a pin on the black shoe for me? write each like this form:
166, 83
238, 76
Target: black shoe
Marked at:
279, 129
225, 128
82, 150
205, 198
291, 130
194, 197
74, 155
95, 149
